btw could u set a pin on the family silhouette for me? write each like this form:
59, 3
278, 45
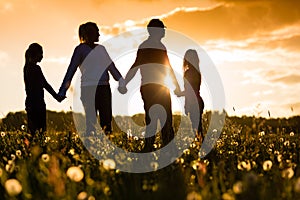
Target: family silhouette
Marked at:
95, 64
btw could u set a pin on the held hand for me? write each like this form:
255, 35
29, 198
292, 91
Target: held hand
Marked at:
178, 92
60, 98
122, 90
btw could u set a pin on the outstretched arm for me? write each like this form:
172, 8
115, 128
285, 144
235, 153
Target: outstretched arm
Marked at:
75, 62
49, 88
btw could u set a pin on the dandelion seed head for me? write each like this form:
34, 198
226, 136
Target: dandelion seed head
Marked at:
82, 195
72, 151
18, 153
279, 158
287, 173
286, 143
109, 164
75, 173
193, 196
154, 165
262, 133
267, 165
13, 187
23, 127
238, 187
45, 157
91, 198
292, 134
2, 134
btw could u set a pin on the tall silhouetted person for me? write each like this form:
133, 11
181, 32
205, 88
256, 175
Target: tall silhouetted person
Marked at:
194, 104
94, 63
153, 62
35, 83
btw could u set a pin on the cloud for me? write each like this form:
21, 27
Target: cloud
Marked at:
289, 79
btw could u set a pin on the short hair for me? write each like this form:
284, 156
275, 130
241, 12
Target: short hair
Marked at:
85, 30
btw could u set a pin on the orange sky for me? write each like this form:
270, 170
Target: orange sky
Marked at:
255, 45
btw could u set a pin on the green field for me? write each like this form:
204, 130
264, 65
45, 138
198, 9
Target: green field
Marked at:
254, 158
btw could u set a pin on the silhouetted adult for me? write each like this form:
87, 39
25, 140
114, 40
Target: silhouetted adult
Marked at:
194, 104
94, 63
35, 82
153, 62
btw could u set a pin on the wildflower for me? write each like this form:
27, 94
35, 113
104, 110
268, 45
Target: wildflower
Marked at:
23, 127
297, 185
109, 164
13, 187
45, 157
186, 151
279, 158
82, 195
154, 165
2, 134
262, 133
193, 196
13, 157
19, 153
286, 143
75, 173
238, 187
227, 196
72, 151
287, 173
292, 134
91, 198
267, 165
10, 166
244, 165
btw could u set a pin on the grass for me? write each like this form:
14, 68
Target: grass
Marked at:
242, 165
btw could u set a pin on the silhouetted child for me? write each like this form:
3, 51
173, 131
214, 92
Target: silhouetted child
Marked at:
35, 83
194, 104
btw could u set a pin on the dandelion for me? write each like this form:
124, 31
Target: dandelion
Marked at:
297, 185
13, 156
109, 164
91, 198
267, 165
13, 187
193, 196
186, 151
279, 158
227, 196
45, 157
82, 195
10, 166
287, 173
19, 153
244, 165
75, 173
72, 151
262, 133
23, 127
286, 143
238, 187
154, 165
292, 134
2, 134
106, 190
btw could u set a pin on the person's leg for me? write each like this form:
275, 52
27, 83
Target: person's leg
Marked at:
167, 129
88, 102
148, 97
103, 106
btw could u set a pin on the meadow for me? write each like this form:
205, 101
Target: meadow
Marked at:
254, 158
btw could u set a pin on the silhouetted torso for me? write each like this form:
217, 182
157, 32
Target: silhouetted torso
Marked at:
35, 83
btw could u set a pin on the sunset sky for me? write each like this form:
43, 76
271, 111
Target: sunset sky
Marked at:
255, 45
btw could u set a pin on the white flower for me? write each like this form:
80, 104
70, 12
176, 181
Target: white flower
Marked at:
75, 173
238, 187
109, 164
292, 134
45, 157
287, 173
82, 195
267, 165
13, 187
18, 153
2, 134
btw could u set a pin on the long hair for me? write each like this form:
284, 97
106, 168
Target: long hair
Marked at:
33, 50
84, 31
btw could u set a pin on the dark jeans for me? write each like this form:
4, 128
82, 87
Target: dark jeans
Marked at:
97, 100
36, 117
196, 111
156, 94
